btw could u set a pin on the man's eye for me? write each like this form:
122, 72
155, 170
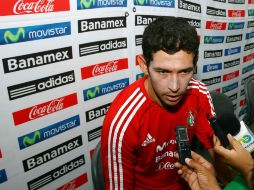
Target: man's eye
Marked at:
162, 72
186, 72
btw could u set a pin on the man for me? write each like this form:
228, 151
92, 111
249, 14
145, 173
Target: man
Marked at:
138, 135
199, 173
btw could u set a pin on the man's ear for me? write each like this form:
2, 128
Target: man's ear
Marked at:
142, 64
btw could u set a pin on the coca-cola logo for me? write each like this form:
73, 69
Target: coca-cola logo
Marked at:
69, 186
215, 26
107, 68
104, 68
43, 109
53, 106
165, 166
39, 6
248, 57
75, 183
231, 76
237, 13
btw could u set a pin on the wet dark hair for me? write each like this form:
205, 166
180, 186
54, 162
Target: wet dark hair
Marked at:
170, 34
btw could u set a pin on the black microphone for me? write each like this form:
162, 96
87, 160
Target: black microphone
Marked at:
238, 129
218, 131
229, 124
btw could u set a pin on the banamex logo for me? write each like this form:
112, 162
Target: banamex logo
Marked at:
189, 6
28, 61
52, 153
96, 24
143, 20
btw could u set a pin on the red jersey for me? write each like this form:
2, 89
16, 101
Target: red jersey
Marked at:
138, 137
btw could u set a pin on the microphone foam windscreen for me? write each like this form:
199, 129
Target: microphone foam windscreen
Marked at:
229, 123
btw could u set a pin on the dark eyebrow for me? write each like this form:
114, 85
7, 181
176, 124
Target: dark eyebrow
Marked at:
189, 69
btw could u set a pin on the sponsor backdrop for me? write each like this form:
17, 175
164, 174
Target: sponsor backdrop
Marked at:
63, 62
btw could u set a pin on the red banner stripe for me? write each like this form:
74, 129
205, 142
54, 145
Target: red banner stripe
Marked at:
40, 110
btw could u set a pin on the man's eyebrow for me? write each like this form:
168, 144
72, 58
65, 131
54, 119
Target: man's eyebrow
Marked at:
189, 69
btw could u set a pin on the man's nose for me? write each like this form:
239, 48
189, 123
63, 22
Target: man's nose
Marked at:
173, 83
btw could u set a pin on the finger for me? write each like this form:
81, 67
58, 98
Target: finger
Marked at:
178, 165
216, 141
195, 155
233, 142
198, 158
194, 164
221, 151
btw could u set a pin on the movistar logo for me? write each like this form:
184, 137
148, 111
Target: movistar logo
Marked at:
213, 39
28, 141
105, 89
141, 2
231, 26
246, 139
235, 25
208, 39
92, 92
86, 4
251, 12
9, 37
36, 32
229, 87
90, 4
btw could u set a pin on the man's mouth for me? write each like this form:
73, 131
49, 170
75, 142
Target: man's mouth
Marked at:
173, 98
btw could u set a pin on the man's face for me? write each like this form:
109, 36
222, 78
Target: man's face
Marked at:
168, 77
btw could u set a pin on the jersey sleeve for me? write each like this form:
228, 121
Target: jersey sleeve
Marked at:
119, 142
204, 130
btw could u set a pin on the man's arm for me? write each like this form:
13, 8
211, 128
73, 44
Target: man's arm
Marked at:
118, 155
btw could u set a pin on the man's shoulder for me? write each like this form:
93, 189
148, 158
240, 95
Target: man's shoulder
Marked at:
131, 92
196, 87
131, 99
138, 84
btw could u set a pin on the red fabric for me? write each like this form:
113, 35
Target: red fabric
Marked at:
138, 137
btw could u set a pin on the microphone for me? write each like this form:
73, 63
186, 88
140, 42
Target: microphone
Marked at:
218, 131
239, 130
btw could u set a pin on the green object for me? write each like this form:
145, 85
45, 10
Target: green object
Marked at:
238, 183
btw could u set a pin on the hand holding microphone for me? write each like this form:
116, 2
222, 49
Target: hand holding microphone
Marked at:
231, 125
237, 157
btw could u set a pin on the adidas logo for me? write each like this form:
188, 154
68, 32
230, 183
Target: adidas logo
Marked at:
149, 139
